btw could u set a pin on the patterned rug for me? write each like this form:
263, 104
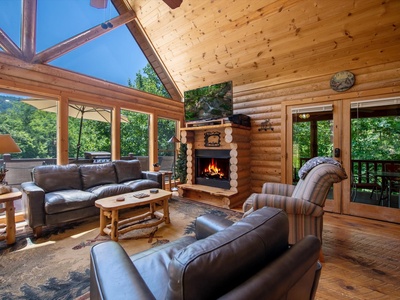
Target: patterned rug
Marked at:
56, 266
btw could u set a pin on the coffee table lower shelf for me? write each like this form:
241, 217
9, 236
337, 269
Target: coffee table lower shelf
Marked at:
109, 210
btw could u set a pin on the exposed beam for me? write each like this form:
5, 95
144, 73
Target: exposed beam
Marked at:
28, 36
82, 38
9, 46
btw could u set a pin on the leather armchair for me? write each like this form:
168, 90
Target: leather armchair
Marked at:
250, 259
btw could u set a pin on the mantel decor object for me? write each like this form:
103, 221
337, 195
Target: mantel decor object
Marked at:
342, 81
212, 139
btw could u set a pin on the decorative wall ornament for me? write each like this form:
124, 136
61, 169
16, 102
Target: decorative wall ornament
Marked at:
266, 125
342, 81
212, 139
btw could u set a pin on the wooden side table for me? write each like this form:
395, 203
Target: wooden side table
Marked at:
164, 174
8, 199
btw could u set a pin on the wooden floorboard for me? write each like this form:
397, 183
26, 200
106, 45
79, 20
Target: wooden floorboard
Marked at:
362, 259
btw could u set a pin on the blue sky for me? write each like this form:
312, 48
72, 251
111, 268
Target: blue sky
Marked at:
113, 57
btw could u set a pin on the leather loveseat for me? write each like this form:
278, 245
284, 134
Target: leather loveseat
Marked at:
62, 193
250, 259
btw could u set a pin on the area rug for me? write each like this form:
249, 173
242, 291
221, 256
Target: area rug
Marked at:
56, 266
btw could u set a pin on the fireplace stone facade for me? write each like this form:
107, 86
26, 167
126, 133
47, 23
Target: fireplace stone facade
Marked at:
228, 145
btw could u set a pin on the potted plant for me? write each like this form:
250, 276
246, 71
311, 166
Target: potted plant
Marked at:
156, 167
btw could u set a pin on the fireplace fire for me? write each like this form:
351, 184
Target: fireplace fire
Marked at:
212, 168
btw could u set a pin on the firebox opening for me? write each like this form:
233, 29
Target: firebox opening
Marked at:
212, 168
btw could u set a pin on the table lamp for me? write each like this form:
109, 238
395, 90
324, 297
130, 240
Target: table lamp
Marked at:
174, 140
7, 145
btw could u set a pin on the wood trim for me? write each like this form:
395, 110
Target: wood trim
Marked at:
81, 39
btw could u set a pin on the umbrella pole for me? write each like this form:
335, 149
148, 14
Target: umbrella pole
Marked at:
78, 147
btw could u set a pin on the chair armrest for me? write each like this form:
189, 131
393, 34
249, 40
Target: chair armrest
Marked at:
278, 189
209, 224
293, 275
33, 199
113, 275
290, 205
155, 176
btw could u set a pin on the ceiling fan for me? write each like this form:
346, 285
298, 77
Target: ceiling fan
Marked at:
103, 3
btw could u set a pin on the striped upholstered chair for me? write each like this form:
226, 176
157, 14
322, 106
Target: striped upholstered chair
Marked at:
304, 203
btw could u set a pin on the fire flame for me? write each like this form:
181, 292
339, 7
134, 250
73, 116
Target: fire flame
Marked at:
213, 170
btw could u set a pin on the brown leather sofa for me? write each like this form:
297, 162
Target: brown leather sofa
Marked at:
250, 259
63, 193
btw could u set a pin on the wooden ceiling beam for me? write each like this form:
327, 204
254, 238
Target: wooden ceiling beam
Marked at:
28, 36
9, 46
82, 38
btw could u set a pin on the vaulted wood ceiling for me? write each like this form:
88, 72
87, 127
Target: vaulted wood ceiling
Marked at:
247, 41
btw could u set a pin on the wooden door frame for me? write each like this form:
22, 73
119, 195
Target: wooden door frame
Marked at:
286, 136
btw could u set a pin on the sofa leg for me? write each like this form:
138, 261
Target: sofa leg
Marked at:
37, 231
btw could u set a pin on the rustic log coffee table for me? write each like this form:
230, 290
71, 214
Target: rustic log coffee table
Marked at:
110, 206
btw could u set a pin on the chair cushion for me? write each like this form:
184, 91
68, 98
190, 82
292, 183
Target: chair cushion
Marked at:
97, 174
128, 170
67, 200
57, 177
209, 268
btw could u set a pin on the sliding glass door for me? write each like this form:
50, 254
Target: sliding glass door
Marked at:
374, 158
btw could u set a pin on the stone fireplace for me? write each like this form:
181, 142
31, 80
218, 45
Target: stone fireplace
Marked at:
218, 164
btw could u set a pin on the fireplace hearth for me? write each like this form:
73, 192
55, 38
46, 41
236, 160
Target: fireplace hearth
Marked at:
212, 168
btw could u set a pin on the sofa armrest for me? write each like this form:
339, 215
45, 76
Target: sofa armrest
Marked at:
113, 275
155, 176
293, 275
209, 224
33, 199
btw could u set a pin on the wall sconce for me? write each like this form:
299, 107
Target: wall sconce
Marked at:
265, 126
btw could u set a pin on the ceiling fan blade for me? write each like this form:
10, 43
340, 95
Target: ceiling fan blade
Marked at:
98, 3
173, 3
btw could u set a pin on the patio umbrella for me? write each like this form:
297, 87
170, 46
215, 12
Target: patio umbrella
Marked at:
76, 111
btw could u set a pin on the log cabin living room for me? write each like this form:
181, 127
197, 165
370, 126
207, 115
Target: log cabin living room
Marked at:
305, 79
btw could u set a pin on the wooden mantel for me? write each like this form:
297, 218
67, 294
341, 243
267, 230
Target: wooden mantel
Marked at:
233, 137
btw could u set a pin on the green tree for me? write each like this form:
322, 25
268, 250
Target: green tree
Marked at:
147, 81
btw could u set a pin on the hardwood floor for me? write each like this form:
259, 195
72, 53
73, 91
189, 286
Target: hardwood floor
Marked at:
362, 259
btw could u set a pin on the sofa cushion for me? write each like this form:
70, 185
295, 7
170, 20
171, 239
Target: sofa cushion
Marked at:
128, 170
229, 257
56, 177
108, 190
97, 174
142, 184
67, 200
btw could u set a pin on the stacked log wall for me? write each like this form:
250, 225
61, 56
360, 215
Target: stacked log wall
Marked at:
265, 100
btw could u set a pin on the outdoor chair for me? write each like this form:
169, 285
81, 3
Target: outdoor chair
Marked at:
393, 183
364, 182
304, 203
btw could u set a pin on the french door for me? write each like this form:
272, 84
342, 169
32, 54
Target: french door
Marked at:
314, 130
364, 135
